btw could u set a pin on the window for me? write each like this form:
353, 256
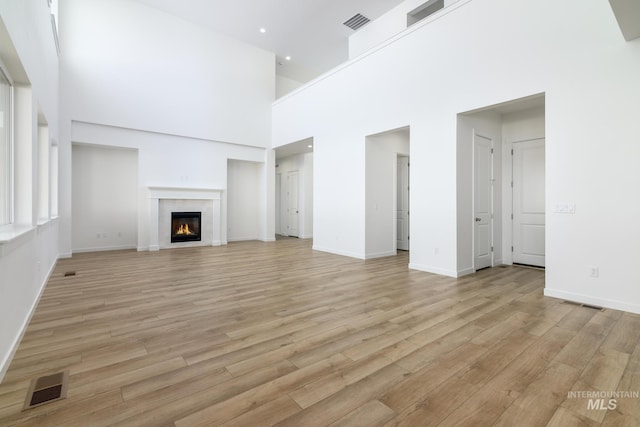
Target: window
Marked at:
5, 149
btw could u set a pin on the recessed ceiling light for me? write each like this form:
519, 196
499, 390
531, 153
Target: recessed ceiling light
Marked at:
263, 30
310, 146
288, 58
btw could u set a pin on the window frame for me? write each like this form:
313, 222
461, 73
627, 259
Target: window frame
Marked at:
10, 149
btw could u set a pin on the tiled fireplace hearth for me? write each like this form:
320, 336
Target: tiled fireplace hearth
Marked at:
163, 201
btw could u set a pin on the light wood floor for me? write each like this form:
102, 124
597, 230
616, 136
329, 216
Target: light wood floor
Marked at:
257, 334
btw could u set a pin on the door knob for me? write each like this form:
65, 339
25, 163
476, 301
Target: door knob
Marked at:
478, 219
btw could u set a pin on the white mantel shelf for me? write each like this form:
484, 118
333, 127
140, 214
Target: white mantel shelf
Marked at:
184, 193
180, 193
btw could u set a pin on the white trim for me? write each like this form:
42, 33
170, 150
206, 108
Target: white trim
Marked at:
13, 236
467, 271
380, 254
10, 200
6, 361
473, 198
247, 239
586, 299
507, 196
180, 193
103, 249
434, 270
341, 253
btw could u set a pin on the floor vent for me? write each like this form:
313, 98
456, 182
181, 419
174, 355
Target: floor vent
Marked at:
47, 389
69, 273
594, 307
356, 21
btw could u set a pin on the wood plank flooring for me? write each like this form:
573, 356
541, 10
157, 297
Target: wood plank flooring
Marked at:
260, 334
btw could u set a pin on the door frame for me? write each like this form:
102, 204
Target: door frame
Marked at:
507, 197
395, 201
473, 198
278, 203
288, 200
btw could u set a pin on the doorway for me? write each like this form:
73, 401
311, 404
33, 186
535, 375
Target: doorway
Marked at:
387, 193
528, 200
292, 204
294, 189
482, 202
487, 220
402, 210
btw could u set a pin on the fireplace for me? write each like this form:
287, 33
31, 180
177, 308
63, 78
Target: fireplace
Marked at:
185, 226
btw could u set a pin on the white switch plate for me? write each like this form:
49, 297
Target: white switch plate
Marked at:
567, 208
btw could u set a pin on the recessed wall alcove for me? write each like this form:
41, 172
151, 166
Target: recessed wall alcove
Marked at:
165, 200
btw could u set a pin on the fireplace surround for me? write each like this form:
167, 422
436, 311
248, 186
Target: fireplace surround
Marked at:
165, 200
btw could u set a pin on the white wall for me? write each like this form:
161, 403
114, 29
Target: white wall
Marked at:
169, 161
29, 248
244, 207
381, 192
386, 26
284, 85
105, 198
575, 55
134, 66
187, 99
303, 163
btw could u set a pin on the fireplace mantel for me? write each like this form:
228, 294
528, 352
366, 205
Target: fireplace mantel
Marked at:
156, 194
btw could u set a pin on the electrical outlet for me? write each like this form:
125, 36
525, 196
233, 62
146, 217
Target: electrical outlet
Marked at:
594, 272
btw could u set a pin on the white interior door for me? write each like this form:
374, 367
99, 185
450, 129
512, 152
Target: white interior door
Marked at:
482, 202
528, 202
293, 208
402, 216
278, 203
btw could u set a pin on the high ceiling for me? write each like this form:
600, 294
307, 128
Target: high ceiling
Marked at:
311, 32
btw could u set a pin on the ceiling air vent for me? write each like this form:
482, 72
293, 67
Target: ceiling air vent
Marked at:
356, 21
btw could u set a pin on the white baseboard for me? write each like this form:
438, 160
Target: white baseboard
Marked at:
306, 236
6, 361
244, 239
104, 249
434, 270
65, 255
586, 299
465, 272
335, 252
380, 255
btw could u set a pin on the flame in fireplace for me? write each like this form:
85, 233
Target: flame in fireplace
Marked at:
184, 230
